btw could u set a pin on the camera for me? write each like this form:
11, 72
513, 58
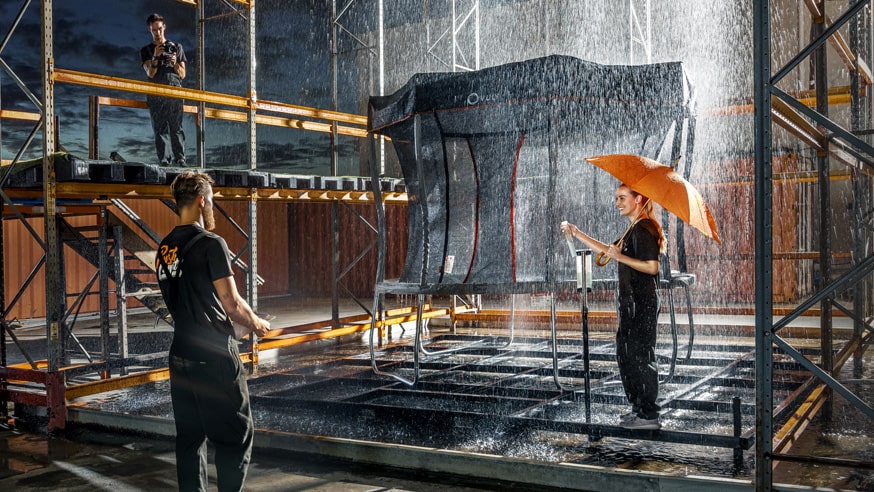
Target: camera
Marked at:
170, 48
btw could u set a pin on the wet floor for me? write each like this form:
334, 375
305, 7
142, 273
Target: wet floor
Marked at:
89, 460
327, 388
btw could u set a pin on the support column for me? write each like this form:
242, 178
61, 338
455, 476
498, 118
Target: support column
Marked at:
3, 412
252, 276
103, 271
764, 245
335, 157
820, 63
860, 114
381, 74
335, 264
93, 127
54, 291
120, 296
200, 132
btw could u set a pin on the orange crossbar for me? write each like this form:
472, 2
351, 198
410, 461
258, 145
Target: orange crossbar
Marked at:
128, 85
396, 316
116, 383
346, 329
240, 116
19, 115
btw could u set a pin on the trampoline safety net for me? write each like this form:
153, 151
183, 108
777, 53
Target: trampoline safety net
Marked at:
493, 161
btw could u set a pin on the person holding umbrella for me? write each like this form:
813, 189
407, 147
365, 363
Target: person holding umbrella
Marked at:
637, 254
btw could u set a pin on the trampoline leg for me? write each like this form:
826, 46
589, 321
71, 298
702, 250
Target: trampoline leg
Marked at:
554, 340
584, 314
691, 322
673, 314
375, 316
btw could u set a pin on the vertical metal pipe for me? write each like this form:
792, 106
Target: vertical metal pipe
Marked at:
1, 130
764, 245
334, 52
200, 128
120, 296
820, 62
454, 38
2, 310
65, 330
476, 36
252, 275
630, 31
335, 263
381, 232
860, 111
103, 286
583, 256
648, 45
252, 79
381, 41
54, 293
335, 230
93, 127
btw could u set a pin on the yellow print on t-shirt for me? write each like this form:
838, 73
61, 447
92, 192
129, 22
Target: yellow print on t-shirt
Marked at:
169, 257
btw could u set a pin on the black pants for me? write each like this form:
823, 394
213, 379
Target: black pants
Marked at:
166, 113
211, 401
635, 353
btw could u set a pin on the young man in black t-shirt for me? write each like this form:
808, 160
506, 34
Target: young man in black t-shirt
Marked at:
207, 382
164, 63
638, 305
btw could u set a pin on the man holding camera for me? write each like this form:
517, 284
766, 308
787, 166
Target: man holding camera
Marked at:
164, 63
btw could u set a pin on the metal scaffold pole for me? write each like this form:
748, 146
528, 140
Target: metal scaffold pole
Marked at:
763, 244
200, 128
252, 274
829, 138
335, 215
823, 164
54, 286
54, 292
861, 119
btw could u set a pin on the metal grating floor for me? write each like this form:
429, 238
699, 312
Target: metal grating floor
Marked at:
489, 397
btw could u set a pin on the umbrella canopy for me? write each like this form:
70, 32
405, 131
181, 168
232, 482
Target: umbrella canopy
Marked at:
661, 184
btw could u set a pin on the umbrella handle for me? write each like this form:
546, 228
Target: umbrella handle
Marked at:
601, 259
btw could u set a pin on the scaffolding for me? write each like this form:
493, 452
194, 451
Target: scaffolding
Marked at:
119, 232
832, 141
772, 105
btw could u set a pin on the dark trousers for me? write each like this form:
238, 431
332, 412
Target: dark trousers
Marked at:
635, 353
211, 401
166, 113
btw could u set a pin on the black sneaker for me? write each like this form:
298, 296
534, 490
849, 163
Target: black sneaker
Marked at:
640, 423
180, 162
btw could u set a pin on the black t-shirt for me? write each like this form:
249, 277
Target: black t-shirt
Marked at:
165, 74
642, 243
202, 326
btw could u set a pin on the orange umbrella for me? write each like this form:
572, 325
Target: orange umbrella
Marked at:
661, 184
